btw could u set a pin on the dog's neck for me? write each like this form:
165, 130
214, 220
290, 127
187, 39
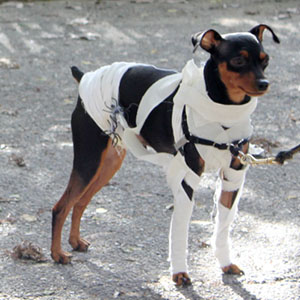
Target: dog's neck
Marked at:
216, 89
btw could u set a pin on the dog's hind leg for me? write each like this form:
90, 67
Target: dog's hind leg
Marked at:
110, 164
95, 162
59, 213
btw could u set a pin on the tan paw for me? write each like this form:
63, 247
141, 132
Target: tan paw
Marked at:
233, 270
61, 257
80, 244
181, 279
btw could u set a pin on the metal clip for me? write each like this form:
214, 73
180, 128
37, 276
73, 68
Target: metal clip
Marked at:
248, 159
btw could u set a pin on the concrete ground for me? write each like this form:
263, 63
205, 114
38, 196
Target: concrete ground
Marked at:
127, 223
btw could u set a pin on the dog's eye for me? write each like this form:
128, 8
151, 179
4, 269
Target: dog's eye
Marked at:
265, 61
238, 62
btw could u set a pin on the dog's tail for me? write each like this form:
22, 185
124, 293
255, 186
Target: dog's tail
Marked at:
77, 74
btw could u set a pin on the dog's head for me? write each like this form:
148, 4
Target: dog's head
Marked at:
240, 58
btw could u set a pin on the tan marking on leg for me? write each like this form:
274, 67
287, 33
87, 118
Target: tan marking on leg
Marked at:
110, 163
227, 198
60, 211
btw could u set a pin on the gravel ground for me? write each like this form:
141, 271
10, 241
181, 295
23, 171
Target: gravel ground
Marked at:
127, 223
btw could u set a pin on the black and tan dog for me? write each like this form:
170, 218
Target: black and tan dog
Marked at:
233, 74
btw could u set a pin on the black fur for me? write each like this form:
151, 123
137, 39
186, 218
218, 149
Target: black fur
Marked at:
89, 142
215, 87
192, 159
77, 74
157, 130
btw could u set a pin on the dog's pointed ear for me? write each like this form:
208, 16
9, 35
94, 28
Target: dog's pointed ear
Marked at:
259, 30
208, 40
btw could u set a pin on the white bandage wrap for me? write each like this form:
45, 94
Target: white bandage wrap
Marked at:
178, 238
232, 179
183, 208
224, 218
99, 91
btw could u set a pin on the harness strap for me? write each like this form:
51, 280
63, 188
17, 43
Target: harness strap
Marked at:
235, 147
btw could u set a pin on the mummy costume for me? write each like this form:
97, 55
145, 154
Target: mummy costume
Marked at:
206, 119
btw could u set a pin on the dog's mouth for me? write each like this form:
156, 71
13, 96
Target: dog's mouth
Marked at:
253, 94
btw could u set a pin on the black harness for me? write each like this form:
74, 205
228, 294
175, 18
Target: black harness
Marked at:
235, 146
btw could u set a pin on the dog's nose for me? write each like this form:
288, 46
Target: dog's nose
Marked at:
262, 84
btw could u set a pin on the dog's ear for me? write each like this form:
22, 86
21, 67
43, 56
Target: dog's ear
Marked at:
259, 30
208, 40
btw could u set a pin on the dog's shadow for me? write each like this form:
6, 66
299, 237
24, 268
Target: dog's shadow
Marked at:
190, 293
237, 287
228, 280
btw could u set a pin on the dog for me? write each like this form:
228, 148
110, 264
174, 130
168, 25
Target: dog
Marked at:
189, 122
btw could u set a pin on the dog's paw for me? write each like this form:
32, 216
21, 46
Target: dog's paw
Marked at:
80, 244
61, 257
233, 270
181, 279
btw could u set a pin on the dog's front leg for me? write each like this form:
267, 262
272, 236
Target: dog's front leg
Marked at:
178, 238
227, 205
182, 182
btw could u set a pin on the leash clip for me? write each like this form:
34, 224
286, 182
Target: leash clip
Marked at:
248, 159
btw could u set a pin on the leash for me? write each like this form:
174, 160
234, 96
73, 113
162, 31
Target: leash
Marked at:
279, 159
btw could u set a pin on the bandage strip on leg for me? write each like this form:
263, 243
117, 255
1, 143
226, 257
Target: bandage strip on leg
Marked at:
233, 180
183, 208
178, 238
